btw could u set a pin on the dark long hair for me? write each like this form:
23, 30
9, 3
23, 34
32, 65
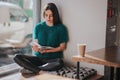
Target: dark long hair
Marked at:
53, 8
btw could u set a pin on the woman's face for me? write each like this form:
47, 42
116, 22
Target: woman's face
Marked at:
48, 16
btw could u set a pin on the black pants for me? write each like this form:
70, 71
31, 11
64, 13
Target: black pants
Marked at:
35, 64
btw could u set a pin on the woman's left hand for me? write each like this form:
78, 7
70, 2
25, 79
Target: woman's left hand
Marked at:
57, 49
42, 51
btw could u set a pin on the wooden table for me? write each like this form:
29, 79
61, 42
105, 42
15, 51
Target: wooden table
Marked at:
109, 57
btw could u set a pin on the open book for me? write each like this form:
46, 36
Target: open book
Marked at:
40, 46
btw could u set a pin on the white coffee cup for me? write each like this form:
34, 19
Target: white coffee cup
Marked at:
81, 49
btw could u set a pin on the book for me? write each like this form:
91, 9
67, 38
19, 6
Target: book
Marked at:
40, 46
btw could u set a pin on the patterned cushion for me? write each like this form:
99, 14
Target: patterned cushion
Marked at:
69, 71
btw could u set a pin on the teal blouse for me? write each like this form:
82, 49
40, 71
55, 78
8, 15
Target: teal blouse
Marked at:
50, 36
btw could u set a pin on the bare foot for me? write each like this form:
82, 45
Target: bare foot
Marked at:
41, 72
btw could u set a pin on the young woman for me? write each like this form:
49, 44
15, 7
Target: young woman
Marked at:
50, 32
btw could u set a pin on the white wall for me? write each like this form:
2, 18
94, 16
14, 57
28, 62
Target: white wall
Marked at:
86, 23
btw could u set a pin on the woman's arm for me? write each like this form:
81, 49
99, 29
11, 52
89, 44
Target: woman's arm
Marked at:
61, 47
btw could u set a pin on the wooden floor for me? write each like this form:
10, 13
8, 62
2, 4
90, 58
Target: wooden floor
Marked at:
45, 76
18, 76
